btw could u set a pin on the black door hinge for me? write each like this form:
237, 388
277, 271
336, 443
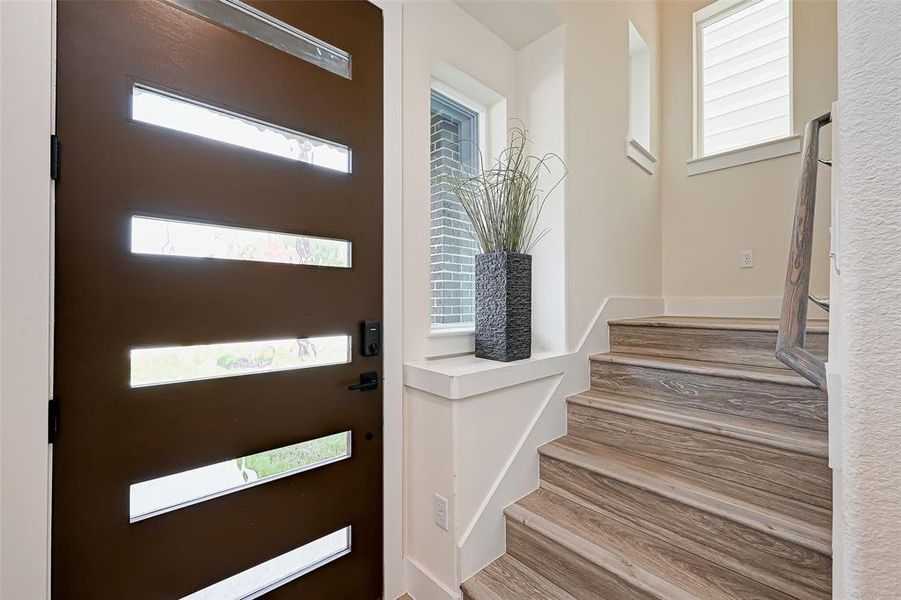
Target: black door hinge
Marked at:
54, 157
52, 421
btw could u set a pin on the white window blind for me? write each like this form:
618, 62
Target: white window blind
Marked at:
744, 56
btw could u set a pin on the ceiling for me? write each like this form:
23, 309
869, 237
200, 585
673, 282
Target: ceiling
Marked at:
518, 23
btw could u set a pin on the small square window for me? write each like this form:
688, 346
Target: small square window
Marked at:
743, 74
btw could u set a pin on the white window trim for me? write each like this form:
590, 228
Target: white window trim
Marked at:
641, 156
450, 341
742, 156
454, 338
482, 110
635, 149
447, 79
715, 11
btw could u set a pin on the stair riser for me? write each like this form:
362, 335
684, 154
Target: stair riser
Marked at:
506, 578
562, 566
785, 566
475, 591
768, 401
471, 596
783, 472
733, 346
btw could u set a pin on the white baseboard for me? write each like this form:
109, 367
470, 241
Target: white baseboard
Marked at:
596, 338
732, 306
422, 585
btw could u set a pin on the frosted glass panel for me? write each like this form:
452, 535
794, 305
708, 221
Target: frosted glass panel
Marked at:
245, 19
267, 576
173, 112
746, 85
154, 366
182, 238
156, 496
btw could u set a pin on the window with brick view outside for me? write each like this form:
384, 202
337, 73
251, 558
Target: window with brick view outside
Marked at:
454, 147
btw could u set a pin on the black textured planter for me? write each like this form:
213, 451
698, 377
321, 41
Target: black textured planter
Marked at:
503, 306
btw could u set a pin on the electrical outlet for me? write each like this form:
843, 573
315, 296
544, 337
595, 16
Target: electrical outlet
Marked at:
746, 259
441, 512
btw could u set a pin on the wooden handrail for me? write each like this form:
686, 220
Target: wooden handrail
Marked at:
793, 319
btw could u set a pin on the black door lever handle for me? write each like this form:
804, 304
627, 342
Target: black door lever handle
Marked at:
368, 381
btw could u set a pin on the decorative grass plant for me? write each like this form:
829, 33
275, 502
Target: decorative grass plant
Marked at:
504, 201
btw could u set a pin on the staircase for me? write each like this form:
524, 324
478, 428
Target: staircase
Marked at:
694, 467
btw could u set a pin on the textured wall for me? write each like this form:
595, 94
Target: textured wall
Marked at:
869, 138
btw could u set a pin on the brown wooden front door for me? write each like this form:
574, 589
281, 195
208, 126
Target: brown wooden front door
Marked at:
218, 243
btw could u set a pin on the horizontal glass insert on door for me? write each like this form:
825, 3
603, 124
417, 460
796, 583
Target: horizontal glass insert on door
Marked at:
167, 110
172, 364
150, 235
265, 577
240, 17
164, 494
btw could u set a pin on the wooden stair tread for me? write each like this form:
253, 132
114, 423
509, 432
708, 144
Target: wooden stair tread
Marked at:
725, 323
788, 519
752, 553
656, 567
713, 369
777, 435
695, 467
508, 579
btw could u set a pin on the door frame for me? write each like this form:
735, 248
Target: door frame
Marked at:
26, 292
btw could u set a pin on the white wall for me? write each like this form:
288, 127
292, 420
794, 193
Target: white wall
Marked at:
497, 459
459, 448
710, 217
428, 470
541, 101
868, 559
612, 204
25, 192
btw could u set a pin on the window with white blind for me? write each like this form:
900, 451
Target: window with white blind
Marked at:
743, 74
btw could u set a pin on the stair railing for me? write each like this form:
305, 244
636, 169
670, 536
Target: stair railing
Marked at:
793, 319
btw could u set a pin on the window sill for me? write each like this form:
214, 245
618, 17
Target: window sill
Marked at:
450, 341
642, 157
451, 331
460, 377
743, 156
